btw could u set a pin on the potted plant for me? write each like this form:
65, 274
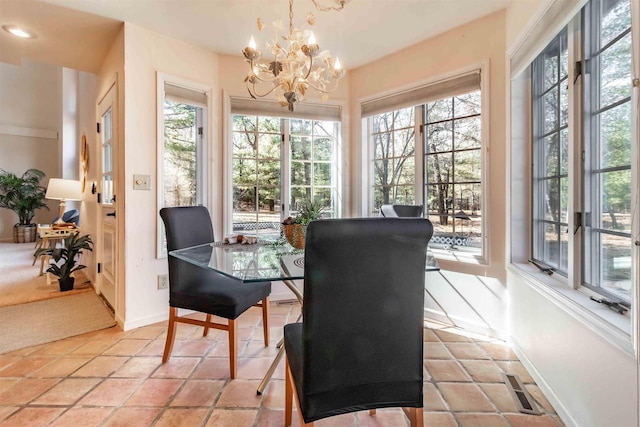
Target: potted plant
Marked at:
23, 195
72, 247
295, 229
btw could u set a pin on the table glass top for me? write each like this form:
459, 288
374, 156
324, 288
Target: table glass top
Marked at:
271, 259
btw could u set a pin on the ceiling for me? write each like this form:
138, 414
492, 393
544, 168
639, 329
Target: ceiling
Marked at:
364, 31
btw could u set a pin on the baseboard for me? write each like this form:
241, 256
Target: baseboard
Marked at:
145, 321
465, 324
548, 392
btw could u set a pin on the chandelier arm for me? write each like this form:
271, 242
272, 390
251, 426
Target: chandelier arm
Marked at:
255, 92
323, 90
309, 70
322, 8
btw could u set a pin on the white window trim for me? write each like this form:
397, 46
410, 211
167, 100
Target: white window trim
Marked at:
161, 79
621, 331
227, 156
366, 198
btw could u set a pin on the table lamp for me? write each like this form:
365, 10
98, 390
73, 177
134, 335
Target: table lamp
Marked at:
63, 190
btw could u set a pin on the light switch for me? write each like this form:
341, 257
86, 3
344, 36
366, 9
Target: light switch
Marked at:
142, 182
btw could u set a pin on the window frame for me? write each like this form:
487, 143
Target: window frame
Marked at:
203, 171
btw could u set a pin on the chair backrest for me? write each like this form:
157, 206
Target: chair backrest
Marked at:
186, 226
364, 301
402, 211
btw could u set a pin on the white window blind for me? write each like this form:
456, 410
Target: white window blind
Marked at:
184, 95
421, 95
305, 110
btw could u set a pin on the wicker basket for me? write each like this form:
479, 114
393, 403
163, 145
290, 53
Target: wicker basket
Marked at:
24, 233
295, 234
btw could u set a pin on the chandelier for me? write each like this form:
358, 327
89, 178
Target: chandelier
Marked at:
297, 65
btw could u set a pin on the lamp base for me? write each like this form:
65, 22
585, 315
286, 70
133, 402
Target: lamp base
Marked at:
62, 206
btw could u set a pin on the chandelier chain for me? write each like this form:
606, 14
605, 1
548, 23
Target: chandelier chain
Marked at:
290, 17
322, 8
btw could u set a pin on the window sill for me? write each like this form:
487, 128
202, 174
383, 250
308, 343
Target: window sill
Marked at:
611, 326
458, 255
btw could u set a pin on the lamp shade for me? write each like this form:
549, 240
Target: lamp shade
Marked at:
64, 189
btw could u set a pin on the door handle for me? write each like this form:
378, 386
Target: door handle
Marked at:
113, 214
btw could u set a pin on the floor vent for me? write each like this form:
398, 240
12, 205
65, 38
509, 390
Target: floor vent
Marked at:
522, 398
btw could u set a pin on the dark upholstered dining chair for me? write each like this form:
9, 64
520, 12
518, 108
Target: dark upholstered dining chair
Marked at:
206, 291
402, 211
359, 346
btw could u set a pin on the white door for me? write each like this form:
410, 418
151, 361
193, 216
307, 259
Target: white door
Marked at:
107, 225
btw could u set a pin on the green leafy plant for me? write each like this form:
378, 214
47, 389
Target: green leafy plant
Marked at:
308, 210
72, 247
22, 194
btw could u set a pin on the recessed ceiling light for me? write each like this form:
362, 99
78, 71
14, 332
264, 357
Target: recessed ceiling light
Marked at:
18, 32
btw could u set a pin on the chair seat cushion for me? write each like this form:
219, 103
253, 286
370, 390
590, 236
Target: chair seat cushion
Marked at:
227, 297
347, 399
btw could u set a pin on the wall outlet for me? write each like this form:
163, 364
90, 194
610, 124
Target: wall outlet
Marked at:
163, 281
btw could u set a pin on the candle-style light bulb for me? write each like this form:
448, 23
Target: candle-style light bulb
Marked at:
337, 65
252, 43
312, 39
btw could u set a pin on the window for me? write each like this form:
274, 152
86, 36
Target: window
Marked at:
453, 171
595, 195
182, 136
276, 159
443, 171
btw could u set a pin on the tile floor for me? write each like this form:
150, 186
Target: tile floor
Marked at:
115, 378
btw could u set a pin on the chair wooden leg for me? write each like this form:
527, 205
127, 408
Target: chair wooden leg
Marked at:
415, 415
171, 334
288, 394
206, 328
265, 320
372, 411
233, 348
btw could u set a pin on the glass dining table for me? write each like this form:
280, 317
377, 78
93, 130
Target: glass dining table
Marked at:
271, 259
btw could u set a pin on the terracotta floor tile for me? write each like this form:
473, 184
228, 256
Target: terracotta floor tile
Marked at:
155, 392
483, 370
147, 332
233, 418
386, 417
138, 367
177, 367
240, 394
199, 347
274, 395
439, 419
449, 336
539, 397
154, 348
32, 417
67, 391
436, 350
182, 418
6, 383
198, 393
26, 366
101, 366
212, 368
516, 368
253, 368
525, 420
499, 351
271, 418
85, 417
430, 336
92, 348
6, 411
462, 350
432, 399
26, 390
133, 417
61, 367
58, 348
500, 396
111, 392
345, 420
465, 397
8, 360
446, 370
482, 420
126, 347
221, 349
257, 349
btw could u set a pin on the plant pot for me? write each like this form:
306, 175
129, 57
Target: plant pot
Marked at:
24, 233
295, 234
66, 284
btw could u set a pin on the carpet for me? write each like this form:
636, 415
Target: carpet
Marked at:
41, 322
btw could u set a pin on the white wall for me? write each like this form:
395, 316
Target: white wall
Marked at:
29, 98
147, 53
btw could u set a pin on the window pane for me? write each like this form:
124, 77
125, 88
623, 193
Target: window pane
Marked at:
439, 168
615, 272
551, 66
269, 146
244, 144
468, 166
551, 155
439, 110
323, 148
404, 118
244, 172
244, 123
180, 154
551, 251
406, 171
615, 134
269, 173
616, 201
300, 127
382, 145
616, 72
467, 105
403, 144
439, 137
550, 103
467, 133
300, 173
300, 148
564, 151
322, 173
616, 18
269, 125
